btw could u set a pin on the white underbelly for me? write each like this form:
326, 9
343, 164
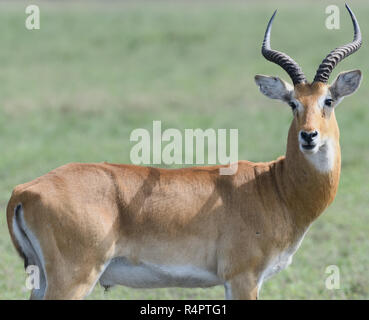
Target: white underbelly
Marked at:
148, 275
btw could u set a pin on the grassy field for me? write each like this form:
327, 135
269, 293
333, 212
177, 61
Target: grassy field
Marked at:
75, 89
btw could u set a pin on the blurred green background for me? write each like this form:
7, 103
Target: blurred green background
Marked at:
75, 89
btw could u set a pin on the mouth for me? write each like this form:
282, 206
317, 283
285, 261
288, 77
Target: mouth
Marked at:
309, 146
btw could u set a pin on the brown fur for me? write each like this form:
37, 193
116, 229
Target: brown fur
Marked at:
85, 214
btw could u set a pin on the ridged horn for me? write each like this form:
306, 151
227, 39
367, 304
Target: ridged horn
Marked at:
280, 58
340, 53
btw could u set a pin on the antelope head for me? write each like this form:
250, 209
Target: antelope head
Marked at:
314, 128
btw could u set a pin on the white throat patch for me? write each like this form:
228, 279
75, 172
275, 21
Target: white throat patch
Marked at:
323, 159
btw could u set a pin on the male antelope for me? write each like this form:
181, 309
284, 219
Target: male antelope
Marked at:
146, 227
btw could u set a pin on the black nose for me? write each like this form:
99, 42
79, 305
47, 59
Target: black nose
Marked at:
309, 136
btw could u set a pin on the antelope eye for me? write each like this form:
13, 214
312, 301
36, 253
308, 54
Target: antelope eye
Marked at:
292, 104
328, 102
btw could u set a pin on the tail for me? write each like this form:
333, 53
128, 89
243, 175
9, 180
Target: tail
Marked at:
12, 212
26, 244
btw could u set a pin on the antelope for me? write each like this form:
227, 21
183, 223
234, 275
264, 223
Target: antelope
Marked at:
147, 227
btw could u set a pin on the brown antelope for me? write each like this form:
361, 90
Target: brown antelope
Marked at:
146, 227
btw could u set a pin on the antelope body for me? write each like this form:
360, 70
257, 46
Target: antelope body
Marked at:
147, 227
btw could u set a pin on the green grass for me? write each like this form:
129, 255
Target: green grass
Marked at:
74, 90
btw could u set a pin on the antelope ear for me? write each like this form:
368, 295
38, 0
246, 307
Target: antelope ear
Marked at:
345, 84
274, 87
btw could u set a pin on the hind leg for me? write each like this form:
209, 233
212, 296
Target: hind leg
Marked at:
74, 248
72, 282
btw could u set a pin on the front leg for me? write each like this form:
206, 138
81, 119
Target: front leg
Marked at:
242, 287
